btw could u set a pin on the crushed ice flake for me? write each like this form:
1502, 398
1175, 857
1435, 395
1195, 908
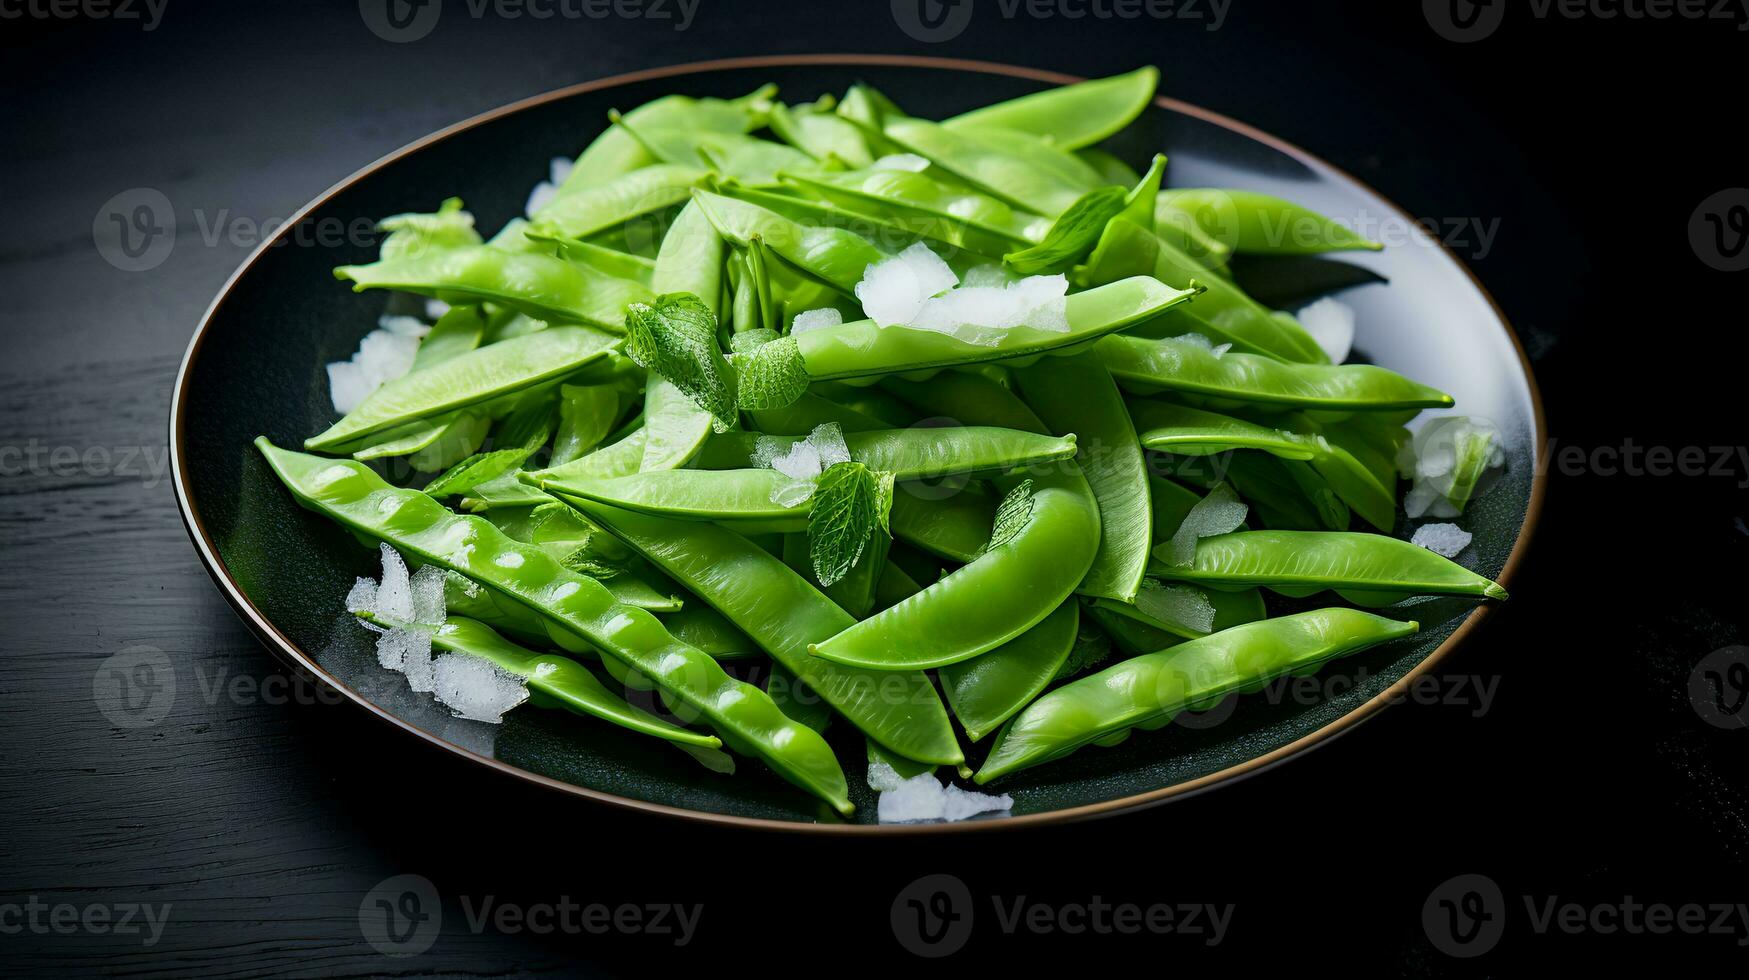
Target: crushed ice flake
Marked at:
893, 290
963, 803
986, 276
395, 591
363, 597
815, 319
475, 688
1442, 539
1433, 457
435, 309
802, 461
923, 797
1219, 512
542, 195
383, 355
559, 170
427, 589
1331, 324
882, 777
901, 161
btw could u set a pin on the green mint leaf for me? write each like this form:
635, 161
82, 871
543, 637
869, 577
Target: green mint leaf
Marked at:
845, 514
677, 339
475, 470
1012, 515
772, 375
748, 341
1072, 236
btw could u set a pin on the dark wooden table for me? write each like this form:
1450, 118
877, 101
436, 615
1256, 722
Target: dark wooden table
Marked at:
257, 816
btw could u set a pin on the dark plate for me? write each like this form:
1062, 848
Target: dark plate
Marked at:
255, 366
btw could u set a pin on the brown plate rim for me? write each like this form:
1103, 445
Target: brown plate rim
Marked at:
284, 647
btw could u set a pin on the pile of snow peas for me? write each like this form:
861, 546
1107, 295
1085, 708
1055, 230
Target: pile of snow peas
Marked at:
629, 448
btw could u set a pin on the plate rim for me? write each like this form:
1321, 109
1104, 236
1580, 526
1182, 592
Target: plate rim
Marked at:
288, 651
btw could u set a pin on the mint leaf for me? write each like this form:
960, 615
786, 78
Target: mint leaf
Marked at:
772, 375
847, 509
475, 470
1011, 515
1073, 235
677, 339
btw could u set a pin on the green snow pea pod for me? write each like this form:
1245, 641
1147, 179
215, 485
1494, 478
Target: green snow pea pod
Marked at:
1278, 498
823, 135
733, 155
742, 498
797, 699
870, 401
1186, 366
1182, 232
456, 332
1071, 166
1033, 564
571, 540
776, 373
984, 166
965, 397
586, 415
1076, 394
925, 206
1133, 636
801, 416
891, 228
832, 255
986, 691
607, 206
615, 152
690, 259
1223, 311
743, 716
607, 261
855, 592
1071, 116
448, 227
1200, 672
675, 428
472, 379
955, 526
699, 625
564, 681
783, 613
1107, 168
894, 585
464, 598
908, 454
1230, 608
1261, 224
545, 287
1370, 569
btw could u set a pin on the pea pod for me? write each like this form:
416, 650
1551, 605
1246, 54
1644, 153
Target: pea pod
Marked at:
1158, 686
742, 498
948, 523
744, 716
909, 454
1077, 395
801, 416
964, 397
1366, 568
607, 261
986, 691
1261, 224
832, 255
821, 135
1231, 609
1000, 595
778, 372
563, 680
1131, 635
1073, 167
1222, 312
675, 428
697, 624
736, 156
994, 171
615, 153
475, 378
1071, 116
977, 221
543, 286
691, 259
456, 332
783, 614
1186, 366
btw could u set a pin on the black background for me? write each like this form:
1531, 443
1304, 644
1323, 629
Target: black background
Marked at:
1586, 142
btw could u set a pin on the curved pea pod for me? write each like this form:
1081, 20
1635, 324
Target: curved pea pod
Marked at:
675, 428
600, 258
1132, 636
1074, 167
743, 716
990, 169
944, 212
739, 497
615, 152
691, 258
908, 454
1360, 566
1186, 366
1261, 224
767, 600
1071, 116
1182, 232
1001, 594
801, 416
1077, 395
1230, 609
477, 377
965, 397
986, 691
1223, 311
824, 136
1158, 686
1107, 167
834, 256
699, 625
563, 680
545, 287
867, 223
948, 523
736, 156
776, 373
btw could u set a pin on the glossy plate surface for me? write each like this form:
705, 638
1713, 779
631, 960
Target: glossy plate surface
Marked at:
255, 366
